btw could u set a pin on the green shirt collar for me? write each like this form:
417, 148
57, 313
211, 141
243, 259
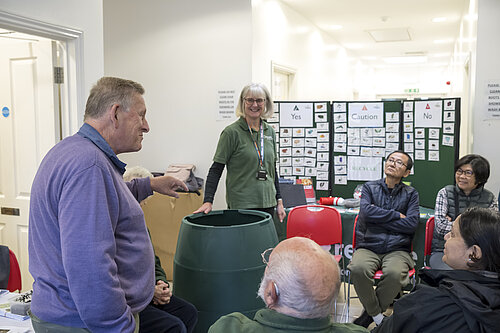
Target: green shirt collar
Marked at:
275, 319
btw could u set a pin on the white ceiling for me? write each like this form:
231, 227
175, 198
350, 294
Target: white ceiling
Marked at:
406, 19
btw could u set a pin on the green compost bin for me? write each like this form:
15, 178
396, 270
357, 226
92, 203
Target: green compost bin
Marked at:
217, 263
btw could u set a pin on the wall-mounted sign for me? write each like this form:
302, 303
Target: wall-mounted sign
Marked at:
5, 111
492, 101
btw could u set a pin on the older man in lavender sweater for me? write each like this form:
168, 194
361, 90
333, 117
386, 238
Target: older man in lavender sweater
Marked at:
90, 253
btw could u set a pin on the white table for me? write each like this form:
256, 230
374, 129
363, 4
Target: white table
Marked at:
15, 326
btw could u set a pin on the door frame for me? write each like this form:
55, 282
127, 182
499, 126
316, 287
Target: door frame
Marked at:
74, 76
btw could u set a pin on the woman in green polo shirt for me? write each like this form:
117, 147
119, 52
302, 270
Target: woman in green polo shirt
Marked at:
248, 148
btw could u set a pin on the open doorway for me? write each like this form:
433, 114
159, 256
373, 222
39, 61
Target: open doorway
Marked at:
38, 97
282, 78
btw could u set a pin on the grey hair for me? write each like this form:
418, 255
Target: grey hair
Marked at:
259, 89
136, 172
108, 91
293, 289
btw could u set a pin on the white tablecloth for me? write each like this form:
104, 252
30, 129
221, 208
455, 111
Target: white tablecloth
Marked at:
15, 326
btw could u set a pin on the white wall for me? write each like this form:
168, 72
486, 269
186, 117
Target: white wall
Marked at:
85, 16
182, 54
463, 72
487, 132
283, 36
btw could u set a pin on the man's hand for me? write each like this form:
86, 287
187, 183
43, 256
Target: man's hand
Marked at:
401, 215
167, 185
162, 293
205, 208
280, 210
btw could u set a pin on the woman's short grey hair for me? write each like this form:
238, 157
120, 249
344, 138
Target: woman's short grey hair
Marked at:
108, 91
136, 172
293, 291
257, 89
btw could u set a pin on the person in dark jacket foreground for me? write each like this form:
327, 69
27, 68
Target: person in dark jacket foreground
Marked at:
388, 218
466, 299
299, 287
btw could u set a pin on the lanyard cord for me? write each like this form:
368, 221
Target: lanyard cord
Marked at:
261, 152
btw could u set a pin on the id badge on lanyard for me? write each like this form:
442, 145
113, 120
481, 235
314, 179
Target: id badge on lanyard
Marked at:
261, 173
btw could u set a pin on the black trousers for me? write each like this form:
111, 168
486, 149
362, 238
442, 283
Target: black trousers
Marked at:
178, 316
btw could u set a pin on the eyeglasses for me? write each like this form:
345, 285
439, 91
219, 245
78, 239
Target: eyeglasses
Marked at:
468, 173
399, 163
265, 259
265, 255
250, 101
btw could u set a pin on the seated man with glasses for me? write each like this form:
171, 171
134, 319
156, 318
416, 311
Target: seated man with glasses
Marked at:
299, 287
388, 218
471, 174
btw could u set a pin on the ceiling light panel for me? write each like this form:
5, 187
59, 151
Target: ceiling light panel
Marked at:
390, 35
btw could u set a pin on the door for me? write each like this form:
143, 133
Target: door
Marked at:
27, 132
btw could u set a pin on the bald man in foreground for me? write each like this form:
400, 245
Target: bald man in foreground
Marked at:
299, 288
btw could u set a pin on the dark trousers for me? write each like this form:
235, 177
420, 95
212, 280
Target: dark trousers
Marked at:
175, 317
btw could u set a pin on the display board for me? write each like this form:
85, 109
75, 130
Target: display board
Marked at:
303, 142
427, 130
345, 143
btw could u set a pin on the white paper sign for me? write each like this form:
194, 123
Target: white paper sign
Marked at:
364, 168
226, 100
428, 113
492, 100
296, 114
366, 114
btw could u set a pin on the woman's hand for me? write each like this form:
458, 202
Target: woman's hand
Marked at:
205, 208
280, 210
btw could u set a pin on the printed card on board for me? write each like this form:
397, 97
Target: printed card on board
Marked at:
428, 113
296, 114
364, 168
339, 107
366, 114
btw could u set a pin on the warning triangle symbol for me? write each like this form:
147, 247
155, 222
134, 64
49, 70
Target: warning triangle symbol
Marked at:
295, 108
364, 108
427, 107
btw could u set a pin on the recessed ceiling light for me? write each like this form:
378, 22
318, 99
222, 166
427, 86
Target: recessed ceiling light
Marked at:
301, 30
443, 41
335, 27
438, 19
405, 60
353, 46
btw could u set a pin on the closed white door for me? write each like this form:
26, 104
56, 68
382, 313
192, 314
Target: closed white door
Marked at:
27, 132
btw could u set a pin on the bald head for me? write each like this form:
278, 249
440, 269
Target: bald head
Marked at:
306, 276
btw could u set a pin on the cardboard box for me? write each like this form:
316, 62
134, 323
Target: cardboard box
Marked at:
163, 216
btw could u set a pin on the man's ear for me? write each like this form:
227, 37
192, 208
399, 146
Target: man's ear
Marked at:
406, 174
113, 113
270, 295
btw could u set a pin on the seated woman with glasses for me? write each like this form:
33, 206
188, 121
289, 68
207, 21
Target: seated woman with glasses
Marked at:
471, 173
248, 148
465, 299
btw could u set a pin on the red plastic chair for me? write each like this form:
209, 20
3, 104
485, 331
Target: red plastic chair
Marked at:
322, 224
429, 232
15, 274
378, 274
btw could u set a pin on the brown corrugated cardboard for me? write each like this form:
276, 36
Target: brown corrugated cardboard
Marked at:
163, 216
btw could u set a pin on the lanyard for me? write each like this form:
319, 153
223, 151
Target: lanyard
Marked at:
261, 152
